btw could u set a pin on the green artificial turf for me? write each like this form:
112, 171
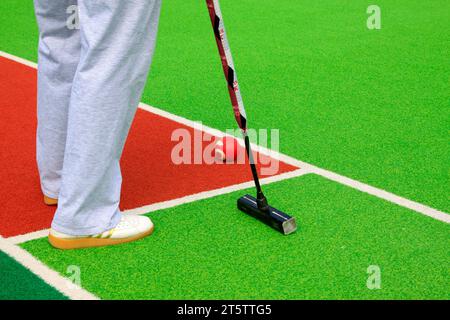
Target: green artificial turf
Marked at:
210, 250
372, 105
18, 283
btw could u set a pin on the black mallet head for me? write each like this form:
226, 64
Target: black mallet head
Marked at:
267, 214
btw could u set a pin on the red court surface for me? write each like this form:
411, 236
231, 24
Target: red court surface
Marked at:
149, 175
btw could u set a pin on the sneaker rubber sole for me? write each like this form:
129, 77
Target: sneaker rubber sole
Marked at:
50, 201
89, 242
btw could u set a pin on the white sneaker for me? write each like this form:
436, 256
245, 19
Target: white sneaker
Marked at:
130, 228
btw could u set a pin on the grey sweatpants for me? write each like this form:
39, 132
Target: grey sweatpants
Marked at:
90, 81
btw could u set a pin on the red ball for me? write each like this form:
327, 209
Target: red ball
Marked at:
226, 149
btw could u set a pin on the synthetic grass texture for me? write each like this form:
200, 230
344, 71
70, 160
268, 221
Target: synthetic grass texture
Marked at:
369, 104
18, 283
210, 250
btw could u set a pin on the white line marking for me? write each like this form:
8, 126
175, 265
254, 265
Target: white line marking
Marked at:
29, 236
382, 194
50, 276
213, 193
175, 202
18, 59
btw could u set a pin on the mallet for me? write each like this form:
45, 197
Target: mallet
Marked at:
256, 207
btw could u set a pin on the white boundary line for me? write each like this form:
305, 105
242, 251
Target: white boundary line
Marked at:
18, 59
363, 187
175, 202
213, 193
49, 276
385, 195
28, 236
